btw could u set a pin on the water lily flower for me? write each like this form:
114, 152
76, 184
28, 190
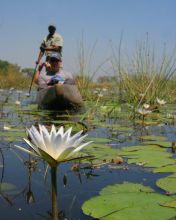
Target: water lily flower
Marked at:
11, 90
55, 146
146, 106
6, 128
160, 101
144, 112
17, 102
100, 95
142, 94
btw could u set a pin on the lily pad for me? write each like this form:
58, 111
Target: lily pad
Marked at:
8, 188
153, 138
128, 201
165, 169
99, 140
12, 135
102, 153
171, 204
167, 183
110, 110
159, 143
149, 156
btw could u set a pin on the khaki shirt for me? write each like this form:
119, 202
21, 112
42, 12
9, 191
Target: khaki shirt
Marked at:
55, 40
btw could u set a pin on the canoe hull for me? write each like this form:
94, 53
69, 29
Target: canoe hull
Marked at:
60, 97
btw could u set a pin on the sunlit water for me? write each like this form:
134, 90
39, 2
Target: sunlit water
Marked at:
30, 199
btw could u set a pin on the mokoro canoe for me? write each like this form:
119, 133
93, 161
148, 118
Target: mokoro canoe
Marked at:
60, 97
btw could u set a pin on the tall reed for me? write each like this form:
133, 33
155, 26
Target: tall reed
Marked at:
145, 76
87, 70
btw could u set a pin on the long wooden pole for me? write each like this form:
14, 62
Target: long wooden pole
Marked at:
32, 79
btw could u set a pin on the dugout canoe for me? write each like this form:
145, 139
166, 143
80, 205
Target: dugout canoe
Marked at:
59, 97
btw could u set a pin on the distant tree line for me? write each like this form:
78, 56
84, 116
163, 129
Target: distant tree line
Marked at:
6, 67
12, 75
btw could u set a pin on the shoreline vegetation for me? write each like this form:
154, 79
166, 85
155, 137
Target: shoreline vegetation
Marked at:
137, 79
11, 75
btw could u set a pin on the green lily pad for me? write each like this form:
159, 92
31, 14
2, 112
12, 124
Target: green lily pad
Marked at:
165, 169
99, 140
159, 143
148, 122
101, 153
171, 204
167, 183
13, 134
8, 188
148, 156
128, 201
153, 138
7, 120
110, 110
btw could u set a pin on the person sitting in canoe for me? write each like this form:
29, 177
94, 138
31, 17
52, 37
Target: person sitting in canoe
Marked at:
56, 88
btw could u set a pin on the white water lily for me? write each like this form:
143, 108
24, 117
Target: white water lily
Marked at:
100, 95
146, 106
55, 146
104, 89
6, 128
17, 102
143, 112
160, 101
142, 94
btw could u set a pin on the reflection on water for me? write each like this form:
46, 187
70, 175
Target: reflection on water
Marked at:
25, 181
31, 167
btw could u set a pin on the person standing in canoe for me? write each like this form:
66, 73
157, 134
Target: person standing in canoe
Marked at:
53, 42
56, 86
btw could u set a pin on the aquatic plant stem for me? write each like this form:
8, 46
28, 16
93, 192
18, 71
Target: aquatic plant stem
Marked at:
54, 192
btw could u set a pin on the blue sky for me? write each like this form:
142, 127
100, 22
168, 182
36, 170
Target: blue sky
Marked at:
23, 25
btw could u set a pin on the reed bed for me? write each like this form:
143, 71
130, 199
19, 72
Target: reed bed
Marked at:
86, 73
12, 77
138, 78
144, 77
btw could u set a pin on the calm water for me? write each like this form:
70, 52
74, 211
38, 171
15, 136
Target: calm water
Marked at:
29, 198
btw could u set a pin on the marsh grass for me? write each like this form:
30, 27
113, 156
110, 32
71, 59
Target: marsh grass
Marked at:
13, 78
143, 78
87, 71
138, 78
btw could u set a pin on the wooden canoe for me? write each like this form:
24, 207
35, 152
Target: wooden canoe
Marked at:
59, 97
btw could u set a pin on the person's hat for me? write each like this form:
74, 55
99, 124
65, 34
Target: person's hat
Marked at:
55, 56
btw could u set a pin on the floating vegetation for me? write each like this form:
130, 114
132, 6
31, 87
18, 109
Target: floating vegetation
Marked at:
165, 144
166, 169
123, 149
151, 156
167, 183
129, 201
8, 188
102, 153
13, 135
153, 138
